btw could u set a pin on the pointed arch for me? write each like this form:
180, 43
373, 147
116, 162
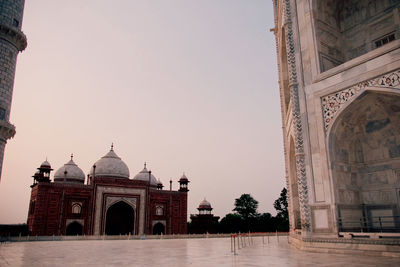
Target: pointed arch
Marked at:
159, 229
363, 144
74, 228
284, 71
120, 219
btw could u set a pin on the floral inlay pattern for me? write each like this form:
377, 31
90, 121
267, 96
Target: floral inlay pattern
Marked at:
332, 103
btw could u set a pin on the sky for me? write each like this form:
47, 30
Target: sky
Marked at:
187, 86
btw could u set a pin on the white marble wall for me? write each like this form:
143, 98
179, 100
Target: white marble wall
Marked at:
300, 29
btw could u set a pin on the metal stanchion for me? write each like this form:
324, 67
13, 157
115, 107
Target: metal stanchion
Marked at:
234, 244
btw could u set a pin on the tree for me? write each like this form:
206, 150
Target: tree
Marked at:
281, 207
246, 206
231, 223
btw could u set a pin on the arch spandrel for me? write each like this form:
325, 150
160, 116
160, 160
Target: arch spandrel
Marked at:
131, 201
333, 104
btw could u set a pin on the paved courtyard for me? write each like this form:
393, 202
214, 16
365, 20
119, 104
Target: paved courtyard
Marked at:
177, 252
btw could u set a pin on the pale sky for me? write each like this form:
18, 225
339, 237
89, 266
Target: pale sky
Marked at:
186, 85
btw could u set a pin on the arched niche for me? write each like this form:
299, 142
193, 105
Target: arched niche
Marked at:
364, 155
346, 29
74, 228
284, 71
158, 229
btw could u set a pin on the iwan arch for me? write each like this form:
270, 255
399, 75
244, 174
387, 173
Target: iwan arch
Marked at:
339, 78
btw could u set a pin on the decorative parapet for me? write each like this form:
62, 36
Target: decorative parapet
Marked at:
7, 130
333, 103
14, 36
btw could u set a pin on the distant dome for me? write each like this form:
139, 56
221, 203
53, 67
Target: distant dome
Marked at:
204, 205
144, 176
70, 172
110, 166
183, 178
45, 164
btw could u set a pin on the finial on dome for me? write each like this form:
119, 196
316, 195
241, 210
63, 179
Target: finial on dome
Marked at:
112, 146
72, 156
145, 164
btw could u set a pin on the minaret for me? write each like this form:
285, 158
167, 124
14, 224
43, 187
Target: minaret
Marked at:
43, 173
12, 41
183, 184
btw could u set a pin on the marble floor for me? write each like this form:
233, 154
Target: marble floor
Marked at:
174, 252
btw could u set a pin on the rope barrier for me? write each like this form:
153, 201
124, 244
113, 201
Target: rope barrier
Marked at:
242, 240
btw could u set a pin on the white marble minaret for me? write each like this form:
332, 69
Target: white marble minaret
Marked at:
12, 41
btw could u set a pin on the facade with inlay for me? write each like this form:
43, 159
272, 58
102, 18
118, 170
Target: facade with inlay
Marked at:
109, 203
339, 79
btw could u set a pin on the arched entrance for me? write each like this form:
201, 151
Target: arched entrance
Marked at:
119, 219
74, 228
364, 151
158, 229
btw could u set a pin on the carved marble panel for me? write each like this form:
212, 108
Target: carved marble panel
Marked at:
321, 219
378, 197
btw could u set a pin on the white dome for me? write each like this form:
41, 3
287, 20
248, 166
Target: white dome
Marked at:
144, 176
70, 172
204, 204
110, 166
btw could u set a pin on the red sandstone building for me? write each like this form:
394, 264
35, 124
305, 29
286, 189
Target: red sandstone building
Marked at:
205, 221
109, 203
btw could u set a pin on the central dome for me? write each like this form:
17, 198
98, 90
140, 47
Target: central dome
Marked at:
110, 166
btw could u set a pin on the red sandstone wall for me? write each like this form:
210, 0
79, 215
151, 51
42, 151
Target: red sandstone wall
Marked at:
53, 207
175, 212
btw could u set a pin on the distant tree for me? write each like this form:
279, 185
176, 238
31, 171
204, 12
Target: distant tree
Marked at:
246, 206
231, 223
262, 223
281, 206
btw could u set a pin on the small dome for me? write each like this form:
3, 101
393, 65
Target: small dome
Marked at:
183, 178
70, 172
110, 166
144, 176
45, 164
204, 205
